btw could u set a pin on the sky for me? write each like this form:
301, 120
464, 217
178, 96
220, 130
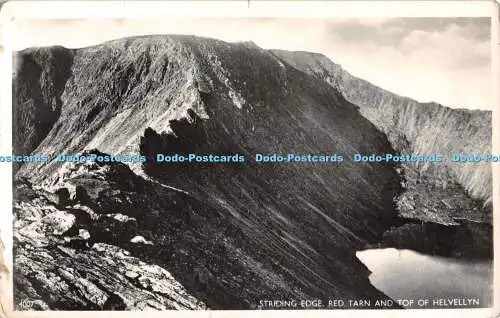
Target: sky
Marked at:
444, 60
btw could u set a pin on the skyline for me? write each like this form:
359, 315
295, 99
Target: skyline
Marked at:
426, 59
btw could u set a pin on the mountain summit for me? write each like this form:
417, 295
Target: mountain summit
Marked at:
229, 236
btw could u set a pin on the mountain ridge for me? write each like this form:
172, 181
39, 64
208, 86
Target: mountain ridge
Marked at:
249, 231
324, 57
416, 128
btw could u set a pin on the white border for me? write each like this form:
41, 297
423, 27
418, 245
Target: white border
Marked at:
190, 9
241, 8
495, 72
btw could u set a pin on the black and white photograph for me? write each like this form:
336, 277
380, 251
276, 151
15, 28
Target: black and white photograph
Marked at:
252, 164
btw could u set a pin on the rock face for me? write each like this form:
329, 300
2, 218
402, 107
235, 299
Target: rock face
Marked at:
209, 251
200, 235
56, 270
452, 190
44, 72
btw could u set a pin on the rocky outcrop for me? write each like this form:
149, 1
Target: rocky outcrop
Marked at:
249, 232
110, 255
55, 269
466, 240
205, 235
103, 277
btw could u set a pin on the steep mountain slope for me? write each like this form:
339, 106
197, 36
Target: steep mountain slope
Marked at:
248, 231
226, 235
420, 128
44, 73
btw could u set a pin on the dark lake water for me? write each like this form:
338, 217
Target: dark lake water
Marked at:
405, 274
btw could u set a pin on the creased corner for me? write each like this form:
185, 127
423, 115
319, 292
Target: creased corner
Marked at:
5, 286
